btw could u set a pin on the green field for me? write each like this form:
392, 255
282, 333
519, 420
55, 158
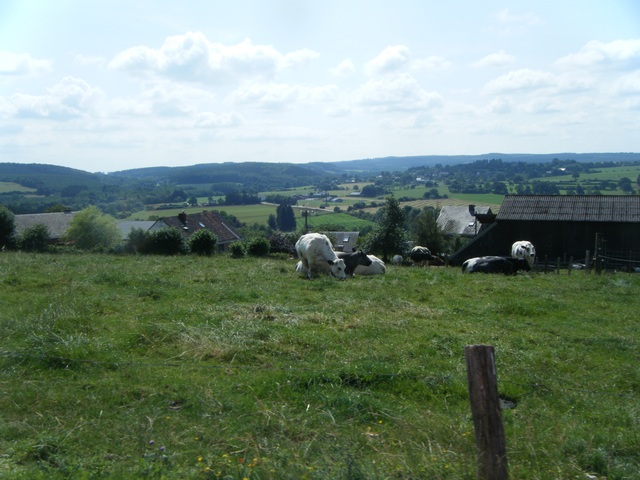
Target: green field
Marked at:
6, 187
214, 367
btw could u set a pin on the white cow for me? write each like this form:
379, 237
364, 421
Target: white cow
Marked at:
524, 249
317, 256
377, 267
397, 259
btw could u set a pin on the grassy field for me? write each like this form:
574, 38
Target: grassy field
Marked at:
191, 367
6, 187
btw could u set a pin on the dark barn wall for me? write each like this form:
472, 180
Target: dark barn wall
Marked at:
554, 239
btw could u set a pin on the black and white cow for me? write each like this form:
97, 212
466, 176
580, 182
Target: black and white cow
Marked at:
377, 267
506, 265
420, 255
423, 256
352, 260
524, 249
317, 256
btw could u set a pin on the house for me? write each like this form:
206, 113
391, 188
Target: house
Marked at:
464, 221
562, 226
344, 241
188, 224
56, 223
125, 226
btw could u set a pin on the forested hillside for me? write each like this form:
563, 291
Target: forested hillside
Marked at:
36, 188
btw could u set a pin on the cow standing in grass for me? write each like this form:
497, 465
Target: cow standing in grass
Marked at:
317, 256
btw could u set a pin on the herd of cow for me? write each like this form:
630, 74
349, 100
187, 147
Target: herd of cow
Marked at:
317, 257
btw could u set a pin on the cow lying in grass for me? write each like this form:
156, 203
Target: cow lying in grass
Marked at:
352, 260
505, 265
377, 267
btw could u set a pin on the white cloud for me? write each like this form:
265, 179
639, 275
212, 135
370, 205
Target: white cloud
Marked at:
70, 98
192, 57
400, 92
213, 120
498, 59
619, 53
501, 105
521, 80
22, 64
279, 96
433, 62
344, 68
628, 84
510, 23
389, 60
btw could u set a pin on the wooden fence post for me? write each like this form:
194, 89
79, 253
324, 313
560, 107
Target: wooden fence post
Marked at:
485, 409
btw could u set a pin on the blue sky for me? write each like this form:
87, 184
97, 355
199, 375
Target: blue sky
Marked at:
111, 85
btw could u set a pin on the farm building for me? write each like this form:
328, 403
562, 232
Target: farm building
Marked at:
563, 226
344, 241
56, 223
464, 221
191, 223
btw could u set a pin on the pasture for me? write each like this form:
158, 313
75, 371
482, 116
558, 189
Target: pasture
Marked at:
192, 367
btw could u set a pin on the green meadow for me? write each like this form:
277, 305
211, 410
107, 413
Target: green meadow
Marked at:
215, 367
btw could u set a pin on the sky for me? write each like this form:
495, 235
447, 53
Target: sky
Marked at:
110, 85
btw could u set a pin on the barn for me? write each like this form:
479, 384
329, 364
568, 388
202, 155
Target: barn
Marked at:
563, 226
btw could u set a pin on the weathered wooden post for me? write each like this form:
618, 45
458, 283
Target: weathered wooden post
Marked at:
570, 266
485, 409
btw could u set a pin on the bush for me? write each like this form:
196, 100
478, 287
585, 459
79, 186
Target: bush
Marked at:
92, 230
137, 241
203, 242
7, 226
35, 239
281, 242
166, 241
236, 249
258, 247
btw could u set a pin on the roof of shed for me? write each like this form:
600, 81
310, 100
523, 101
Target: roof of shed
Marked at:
572, 208
56, 222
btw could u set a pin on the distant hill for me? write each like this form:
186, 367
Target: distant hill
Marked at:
390, 164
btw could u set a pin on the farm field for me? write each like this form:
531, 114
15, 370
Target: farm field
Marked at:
6, 187
215, 367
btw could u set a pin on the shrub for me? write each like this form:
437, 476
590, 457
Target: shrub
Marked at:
281, 242
203, 242
35, 239
236, 249
136, 241
92, 230
166, 241
7, 225
258, 247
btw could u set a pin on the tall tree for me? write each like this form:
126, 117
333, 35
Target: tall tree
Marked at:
425, 231
286, 219
389, 235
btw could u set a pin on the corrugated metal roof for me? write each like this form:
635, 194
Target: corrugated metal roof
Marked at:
572, 208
